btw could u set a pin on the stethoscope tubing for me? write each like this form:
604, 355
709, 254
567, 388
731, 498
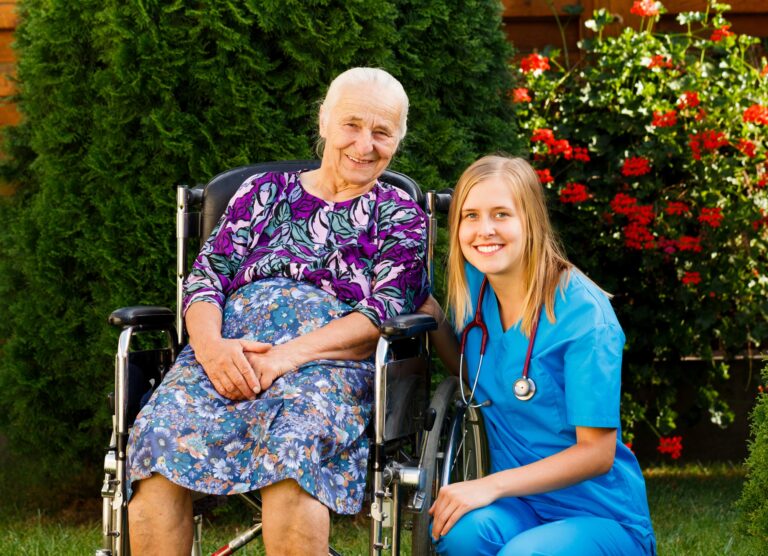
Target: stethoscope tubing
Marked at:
478, 322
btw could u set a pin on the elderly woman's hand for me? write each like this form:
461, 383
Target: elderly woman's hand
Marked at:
228, 369
271, 365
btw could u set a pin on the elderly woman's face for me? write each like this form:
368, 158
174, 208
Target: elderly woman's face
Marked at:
361, 134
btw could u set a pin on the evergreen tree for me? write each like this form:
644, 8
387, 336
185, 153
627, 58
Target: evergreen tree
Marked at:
753, 503
123, 99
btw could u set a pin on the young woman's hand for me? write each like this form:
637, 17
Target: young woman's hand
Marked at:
453, 501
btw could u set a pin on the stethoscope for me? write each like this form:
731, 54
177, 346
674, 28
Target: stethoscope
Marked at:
524, 387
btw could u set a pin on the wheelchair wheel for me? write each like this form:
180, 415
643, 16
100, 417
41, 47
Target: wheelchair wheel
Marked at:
456, 450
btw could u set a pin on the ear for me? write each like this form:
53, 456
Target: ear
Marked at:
323, 122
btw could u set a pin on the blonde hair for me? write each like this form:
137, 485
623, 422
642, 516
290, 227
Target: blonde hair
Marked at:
543, 258
377, 77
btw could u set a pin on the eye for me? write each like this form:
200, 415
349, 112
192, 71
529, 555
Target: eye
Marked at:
382, 133
503, 214
469, 216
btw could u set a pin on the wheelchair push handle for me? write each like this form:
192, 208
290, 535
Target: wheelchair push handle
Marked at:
443, 200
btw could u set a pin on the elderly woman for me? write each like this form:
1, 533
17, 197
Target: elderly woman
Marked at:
282, 307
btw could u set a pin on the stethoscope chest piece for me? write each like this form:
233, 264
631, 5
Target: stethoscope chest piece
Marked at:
524, 388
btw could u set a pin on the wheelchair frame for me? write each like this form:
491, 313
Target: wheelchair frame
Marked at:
452, 450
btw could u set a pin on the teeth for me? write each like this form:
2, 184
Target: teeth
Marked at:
488, 248
358, 160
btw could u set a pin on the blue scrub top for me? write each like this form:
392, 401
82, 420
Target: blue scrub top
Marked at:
576, 365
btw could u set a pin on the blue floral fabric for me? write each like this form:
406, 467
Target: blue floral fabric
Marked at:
308, 426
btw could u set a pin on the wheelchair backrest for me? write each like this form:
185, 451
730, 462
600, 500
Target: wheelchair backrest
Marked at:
221, 188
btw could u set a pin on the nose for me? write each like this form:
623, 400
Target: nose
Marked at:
487, 227
364, 141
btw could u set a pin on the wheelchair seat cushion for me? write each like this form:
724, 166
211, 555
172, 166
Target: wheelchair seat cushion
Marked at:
308, 426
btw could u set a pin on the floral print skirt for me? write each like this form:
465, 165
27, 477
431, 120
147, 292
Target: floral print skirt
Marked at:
308, 426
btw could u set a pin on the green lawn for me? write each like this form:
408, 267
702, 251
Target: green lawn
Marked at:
692, 507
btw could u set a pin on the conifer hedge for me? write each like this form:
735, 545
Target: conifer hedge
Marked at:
123, 99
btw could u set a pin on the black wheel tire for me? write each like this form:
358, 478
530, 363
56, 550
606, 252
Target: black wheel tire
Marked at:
469, 461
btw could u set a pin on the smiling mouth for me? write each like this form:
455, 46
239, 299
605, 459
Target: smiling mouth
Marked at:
488, 248
359, 160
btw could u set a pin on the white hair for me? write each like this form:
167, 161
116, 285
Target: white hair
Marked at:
368, 76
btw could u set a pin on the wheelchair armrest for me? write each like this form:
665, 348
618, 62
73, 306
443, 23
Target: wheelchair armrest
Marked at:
407, 326
143, 315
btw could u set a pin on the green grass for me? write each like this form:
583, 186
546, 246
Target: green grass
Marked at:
692, 507
693, 513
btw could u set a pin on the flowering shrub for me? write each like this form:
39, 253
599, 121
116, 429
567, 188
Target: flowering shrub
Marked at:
653, 150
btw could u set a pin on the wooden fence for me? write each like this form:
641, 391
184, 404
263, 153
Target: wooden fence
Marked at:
533, 24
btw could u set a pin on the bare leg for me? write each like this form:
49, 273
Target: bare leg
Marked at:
160, 518
293, 522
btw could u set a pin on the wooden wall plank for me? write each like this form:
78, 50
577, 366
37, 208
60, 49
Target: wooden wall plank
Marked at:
6, 51
8, 18
526, 34
534, 8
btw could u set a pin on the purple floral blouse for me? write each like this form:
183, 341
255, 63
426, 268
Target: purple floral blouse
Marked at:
368, 251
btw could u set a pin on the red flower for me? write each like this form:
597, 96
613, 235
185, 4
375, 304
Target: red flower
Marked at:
689, 99
574, 193
709, 140
700, 115
671, 445
691, 278
713, 139
642, 214
545, 176
636, 166
561, 146
664, 119
765, 71
757, 114
659, 61
581, 154
676, 207
721, 33
638, 236
636, 232
543, 135
757, 224
711, 216
689, 243
534, 63
623, 203
645, 8
747, 147
520, 95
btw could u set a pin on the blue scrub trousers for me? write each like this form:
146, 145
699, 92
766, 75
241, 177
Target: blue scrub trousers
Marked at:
509, 527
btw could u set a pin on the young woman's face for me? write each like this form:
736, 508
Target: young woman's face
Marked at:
361, 134
491, 233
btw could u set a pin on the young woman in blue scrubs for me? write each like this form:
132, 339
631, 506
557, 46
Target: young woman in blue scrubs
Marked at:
561, 481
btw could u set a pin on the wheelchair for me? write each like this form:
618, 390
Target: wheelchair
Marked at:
418, 443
